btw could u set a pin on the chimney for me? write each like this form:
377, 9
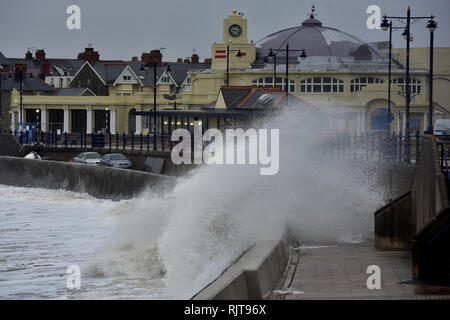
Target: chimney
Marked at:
187, 60
89, 55
134, 58
45, 69
40, 55
28, 55
195, 58
208, 61
153, 56
180, 60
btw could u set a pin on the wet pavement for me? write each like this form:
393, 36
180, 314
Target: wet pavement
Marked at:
340, 272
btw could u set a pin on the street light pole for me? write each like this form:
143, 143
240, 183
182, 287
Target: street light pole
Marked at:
407, 35
407, 87
389, 76
286, 88
154, 105
302, 56
239, 54
20, 75
431, 27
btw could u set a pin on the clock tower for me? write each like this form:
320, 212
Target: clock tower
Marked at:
234, 36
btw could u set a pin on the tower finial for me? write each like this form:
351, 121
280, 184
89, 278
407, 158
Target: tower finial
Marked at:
313, 12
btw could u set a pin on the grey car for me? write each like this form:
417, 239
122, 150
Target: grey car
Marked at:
115, 160
88, 158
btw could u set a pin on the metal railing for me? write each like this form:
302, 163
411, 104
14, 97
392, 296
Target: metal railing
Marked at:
381, 145
118, 141
443, 146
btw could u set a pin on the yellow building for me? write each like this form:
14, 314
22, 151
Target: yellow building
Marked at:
341, 74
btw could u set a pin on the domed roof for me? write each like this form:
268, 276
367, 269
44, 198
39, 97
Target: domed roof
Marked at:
317, 40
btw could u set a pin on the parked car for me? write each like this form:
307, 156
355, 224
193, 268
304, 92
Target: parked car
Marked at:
115, 160
88, 158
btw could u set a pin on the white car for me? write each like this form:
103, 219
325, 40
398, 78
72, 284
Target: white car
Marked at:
33, 155
88, 158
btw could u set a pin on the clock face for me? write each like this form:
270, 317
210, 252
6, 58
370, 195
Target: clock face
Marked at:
235, 30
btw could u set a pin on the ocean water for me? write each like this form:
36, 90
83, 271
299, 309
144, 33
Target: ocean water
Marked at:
43, 232
171, 245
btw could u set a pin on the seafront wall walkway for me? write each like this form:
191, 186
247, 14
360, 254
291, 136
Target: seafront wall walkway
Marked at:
98, 181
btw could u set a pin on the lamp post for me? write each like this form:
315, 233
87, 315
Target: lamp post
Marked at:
239, 54
407, 35
274, 57
107, 119
385, 25
431, 27
153, 65
37, 119
303, 56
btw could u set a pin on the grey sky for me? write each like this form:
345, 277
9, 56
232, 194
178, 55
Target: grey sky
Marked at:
119, 29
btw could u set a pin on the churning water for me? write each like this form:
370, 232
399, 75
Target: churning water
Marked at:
164, 246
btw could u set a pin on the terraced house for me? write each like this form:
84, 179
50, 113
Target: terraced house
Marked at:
328, 68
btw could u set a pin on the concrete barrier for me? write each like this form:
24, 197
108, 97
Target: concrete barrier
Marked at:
98, 181
253, 276
393, 225
429, 192
9, 146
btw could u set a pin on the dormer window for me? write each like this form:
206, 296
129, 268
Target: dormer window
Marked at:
127, 78
165, 79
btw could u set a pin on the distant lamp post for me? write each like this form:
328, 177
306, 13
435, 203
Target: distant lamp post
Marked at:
432, 25
385, 25
153, 65
37, 119
107, 119
274, 57
302, 56
239, 54
407, 36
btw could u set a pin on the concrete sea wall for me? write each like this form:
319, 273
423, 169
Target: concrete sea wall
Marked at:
98, 181
253, 276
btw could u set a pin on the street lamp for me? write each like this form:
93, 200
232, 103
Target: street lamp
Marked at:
407, 35
432, 25
239, 54
385, 25
107, 119
37, 119
302, 56
274, 57
153, 65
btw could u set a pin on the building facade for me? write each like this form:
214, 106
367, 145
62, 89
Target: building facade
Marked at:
341, 75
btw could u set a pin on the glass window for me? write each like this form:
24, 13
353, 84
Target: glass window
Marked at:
321, 85
358, 83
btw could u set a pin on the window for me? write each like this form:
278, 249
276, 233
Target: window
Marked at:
52, 82
118, 94
358, 83
127, 94
188, 80
127, 78
414, 84
321, 85
268, 82
165, 79
61, 84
